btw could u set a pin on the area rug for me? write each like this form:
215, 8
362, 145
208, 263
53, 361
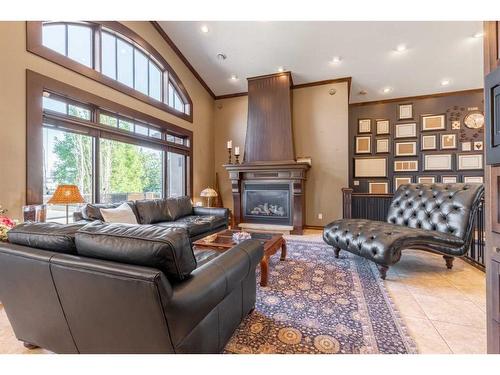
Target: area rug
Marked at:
315, 303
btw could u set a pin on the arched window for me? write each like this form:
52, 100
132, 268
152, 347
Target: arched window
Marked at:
114, 55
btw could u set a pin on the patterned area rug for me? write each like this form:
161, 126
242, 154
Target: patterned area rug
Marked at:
315, 303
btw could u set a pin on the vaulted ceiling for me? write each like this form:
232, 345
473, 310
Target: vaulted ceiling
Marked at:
435, 56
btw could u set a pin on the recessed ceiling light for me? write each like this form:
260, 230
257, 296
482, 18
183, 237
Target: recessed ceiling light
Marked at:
204, 29
336, 59
386, 90
401, 48
445, 82
234, 77
281, 69
479, 34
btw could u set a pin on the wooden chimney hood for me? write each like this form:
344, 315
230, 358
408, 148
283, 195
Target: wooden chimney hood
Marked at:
269, 137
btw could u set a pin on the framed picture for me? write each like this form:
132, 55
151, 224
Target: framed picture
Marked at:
466, 146
382, 146
378, 187
406, 130
449, 179
401, 181
478, 146
406, 166
426, 179
370, 167
433, 122
429, 142
382, 127
406, 148
364, 126
437, 162
448, 141
363, 145
455, 125
473, 179
470, 161
405, 111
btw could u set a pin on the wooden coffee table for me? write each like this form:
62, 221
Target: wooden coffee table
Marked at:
223, 241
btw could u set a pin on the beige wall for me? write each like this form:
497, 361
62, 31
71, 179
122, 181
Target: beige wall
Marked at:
320, 125
14, 60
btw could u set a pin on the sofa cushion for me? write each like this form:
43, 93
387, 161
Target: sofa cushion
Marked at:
92, 211
166, 249
47, 236
179, 207
153, 211
194, 225
121, 214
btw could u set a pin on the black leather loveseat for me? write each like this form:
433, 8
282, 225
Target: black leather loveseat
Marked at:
432, 217
175, 212
118, 288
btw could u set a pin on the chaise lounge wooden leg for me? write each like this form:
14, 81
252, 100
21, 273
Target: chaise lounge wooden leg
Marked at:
336, 250
30, 346
449, 261
382, 270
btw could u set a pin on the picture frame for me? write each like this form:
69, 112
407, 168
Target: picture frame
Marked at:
427, 179
382, 127
363, 145
364, 126
474, 179
478, 146
405, 148
405, 165
448, 141
438, 162
466, 146
401, 180
407, 130
405, 111
370, 167
470, 161
449, 179
433, 122
455, 125
428, 142
378, 187
382, 146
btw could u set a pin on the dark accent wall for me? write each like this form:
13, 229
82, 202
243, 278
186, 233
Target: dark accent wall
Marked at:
455, 106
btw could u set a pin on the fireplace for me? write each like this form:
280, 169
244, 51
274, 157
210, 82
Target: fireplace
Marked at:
266, 203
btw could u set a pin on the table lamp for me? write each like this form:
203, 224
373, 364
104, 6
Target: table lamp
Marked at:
66, 195
208, 193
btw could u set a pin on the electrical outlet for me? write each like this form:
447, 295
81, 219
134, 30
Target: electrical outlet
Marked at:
320, 216
356, 183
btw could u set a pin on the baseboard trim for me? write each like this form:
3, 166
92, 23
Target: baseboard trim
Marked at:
317, 227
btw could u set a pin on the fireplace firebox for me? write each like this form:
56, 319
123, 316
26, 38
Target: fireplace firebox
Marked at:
267, 203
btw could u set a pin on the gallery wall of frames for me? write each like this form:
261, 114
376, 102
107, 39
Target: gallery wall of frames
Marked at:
435, 138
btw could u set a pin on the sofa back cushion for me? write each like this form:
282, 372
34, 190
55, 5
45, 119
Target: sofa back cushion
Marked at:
92, 211
152, 211
179, 207
166, 249
47, 236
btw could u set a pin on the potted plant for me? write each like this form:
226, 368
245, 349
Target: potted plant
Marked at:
6, 224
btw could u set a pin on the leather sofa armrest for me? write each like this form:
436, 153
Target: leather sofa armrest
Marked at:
214, 211
194, 298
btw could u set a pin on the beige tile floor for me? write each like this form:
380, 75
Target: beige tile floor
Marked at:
444, 310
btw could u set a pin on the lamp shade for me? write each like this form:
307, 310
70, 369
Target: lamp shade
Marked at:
208, 193
66, 194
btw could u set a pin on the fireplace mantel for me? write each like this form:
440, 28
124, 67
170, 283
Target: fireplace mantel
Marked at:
292, 172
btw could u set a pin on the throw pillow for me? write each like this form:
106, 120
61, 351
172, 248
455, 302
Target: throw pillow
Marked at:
121, 214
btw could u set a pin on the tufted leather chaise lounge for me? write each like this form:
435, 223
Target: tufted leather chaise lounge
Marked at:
432, 217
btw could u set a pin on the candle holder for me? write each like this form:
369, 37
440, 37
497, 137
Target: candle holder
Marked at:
237, 158
229, 158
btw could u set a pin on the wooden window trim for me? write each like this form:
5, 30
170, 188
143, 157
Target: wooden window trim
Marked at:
34, 45
36, 84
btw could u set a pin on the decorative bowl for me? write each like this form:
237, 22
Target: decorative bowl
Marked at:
241, 236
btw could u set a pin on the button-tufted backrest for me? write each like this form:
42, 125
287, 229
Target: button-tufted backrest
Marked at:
447, 208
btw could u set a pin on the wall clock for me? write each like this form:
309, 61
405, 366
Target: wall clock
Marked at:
474, 120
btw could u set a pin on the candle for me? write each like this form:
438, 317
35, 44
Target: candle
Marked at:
237, 150
229, 144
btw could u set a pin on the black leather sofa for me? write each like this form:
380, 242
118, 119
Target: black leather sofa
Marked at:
170, 212
118, 288
432, 217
